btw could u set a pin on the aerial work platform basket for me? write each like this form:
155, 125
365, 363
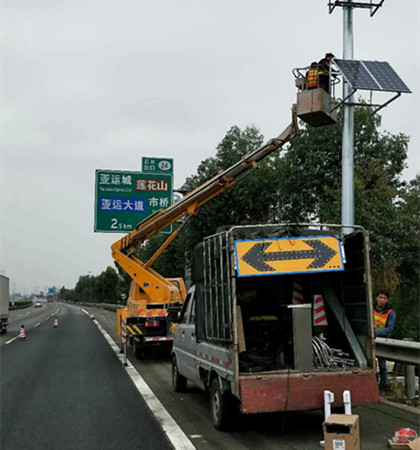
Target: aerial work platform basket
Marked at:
315, 106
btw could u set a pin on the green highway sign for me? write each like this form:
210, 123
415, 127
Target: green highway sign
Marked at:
123, 199
157, 165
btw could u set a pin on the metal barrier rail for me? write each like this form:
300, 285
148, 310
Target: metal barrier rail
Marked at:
407, 352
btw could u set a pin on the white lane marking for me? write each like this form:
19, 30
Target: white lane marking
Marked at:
84, 310
46, 318
178, 438
39, 323
11, 340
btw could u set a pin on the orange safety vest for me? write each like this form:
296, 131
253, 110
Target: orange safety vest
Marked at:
312, 78
381, 318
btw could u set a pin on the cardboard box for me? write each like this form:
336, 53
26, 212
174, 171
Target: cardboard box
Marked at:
341, 432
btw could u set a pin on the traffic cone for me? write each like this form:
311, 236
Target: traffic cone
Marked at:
56, 322
297, 292
22, 334
319, 311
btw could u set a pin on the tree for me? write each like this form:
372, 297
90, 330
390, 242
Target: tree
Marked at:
407, 294
124, 282
249, 201
106, 287
84, 289
66, 295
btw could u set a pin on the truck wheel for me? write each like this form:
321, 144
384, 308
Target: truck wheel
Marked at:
223, 408
179, 382
3, 330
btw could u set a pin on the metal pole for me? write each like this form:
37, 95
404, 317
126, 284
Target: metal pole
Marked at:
410, 381
125, 353
347, 195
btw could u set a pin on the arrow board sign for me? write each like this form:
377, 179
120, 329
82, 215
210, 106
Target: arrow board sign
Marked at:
288, 255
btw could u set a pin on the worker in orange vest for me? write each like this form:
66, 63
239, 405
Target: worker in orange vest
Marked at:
312, 76
384, 315
324, 72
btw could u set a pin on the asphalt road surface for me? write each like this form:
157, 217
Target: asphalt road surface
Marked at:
64, 388
291, 431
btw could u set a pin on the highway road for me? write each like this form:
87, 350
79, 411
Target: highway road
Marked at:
65, 388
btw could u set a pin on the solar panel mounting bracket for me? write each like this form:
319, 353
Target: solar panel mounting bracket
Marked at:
386, 103
342, 102
365, 5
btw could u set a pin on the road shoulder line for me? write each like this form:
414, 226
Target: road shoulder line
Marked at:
177, 437
11, 340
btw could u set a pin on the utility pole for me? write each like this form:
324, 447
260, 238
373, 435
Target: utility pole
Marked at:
347, 145
347, 152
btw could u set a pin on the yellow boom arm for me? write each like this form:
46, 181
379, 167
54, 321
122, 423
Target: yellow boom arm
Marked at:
150, 281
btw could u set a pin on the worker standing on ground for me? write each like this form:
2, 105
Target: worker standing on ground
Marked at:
384, 325
324, 72
312, 76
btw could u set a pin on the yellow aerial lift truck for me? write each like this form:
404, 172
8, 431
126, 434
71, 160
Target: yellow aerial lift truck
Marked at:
154, 301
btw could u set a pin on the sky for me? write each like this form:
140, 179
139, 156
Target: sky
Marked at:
99, 84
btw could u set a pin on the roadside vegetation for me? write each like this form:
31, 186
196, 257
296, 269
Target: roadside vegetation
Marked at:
302, 183
25, 303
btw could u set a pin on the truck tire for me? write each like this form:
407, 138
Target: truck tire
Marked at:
179, 382
223, 408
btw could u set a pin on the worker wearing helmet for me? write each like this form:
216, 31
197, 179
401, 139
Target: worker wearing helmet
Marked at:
312, 76
324, 72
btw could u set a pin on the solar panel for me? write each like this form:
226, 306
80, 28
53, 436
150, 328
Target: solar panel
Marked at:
386, 77
356, 75
371, 75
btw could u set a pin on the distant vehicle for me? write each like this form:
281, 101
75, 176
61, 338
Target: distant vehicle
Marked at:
49, 298
38, 305
4, 303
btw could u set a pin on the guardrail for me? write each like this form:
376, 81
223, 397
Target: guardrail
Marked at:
401, 351
407, 352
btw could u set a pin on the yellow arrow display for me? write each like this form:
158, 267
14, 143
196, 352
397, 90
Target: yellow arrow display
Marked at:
288, 255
